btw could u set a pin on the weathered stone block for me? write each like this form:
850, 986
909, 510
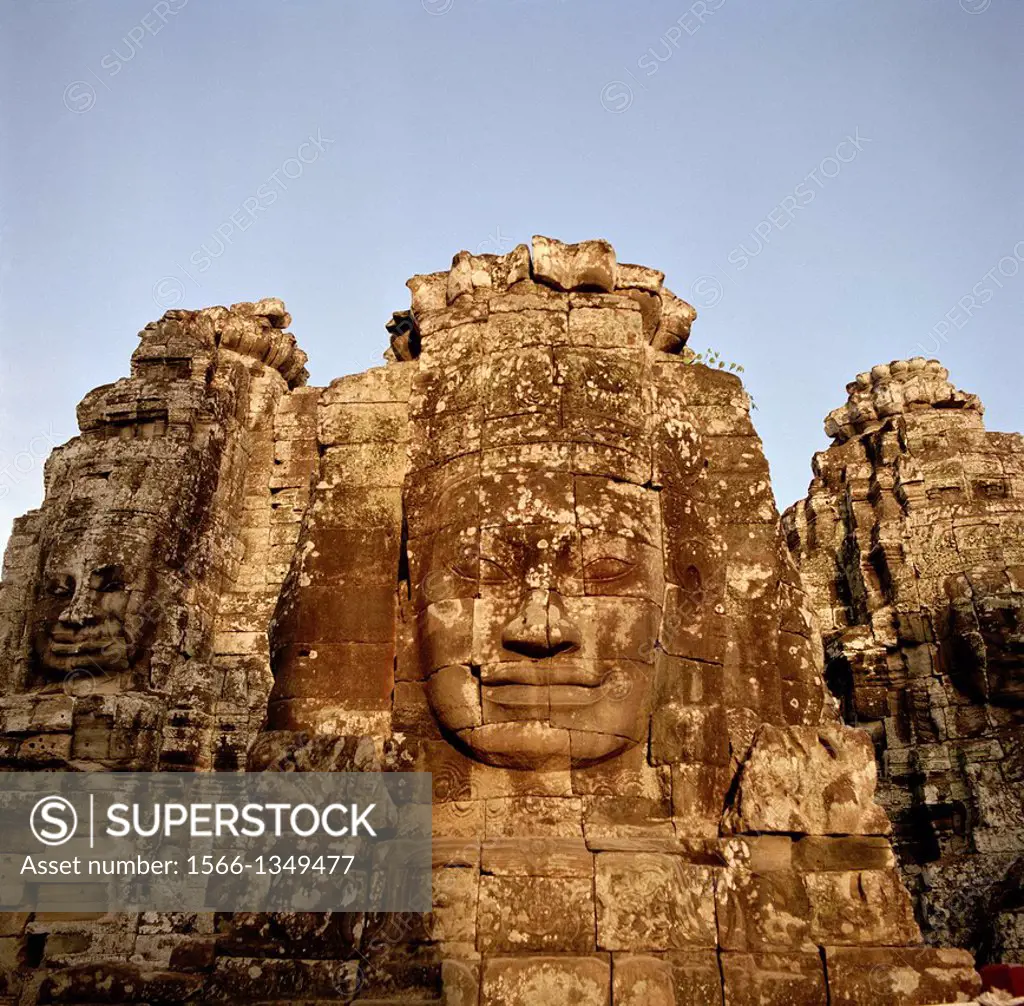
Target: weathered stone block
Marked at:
115, 982
693, 734
455, 897
863, 907
540, 817
653, 902
907, 976
642, 981
698, 798
528, 981
697, 977
362, 423
774, 979
536, 914
607, 328
589, 265
762, 911
537, 857
839, 854
460, 982
808, 780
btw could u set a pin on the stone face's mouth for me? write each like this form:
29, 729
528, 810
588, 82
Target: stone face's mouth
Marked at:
61, 648
534, 701
581, 674
77, 647
518, 701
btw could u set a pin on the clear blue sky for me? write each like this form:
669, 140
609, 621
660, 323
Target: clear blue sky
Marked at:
707, 139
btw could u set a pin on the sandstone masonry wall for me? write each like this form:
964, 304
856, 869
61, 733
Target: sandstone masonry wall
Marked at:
536, 554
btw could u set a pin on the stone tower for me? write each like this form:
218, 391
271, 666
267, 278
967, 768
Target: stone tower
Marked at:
537, 555
911, 540
122, 595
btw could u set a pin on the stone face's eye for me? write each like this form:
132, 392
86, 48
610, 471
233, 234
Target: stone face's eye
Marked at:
107, 579
606, 567
62, 586
491, 572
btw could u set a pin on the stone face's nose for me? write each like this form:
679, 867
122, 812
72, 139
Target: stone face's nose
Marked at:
563, 633
541, 628
81, 609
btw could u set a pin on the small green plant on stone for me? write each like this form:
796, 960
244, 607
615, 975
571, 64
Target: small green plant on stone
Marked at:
712, 358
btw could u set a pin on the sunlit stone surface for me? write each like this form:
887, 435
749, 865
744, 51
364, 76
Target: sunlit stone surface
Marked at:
535, 554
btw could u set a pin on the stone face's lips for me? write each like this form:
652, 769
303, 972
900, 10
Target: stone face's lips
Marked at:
520, 701
574, 696
533, 701
544, 672
68, 648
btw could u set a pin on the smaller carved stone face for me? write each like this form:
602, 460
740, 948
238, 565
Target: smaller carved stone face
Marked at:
1002, 629
987, 642
85, 612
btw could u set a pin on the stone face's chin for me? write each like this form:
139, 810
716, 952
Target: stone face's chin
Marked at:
524, 745
539, 747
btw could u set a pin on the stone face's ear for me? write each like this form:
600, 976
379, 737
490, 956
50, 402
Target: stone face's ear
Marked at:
333, 635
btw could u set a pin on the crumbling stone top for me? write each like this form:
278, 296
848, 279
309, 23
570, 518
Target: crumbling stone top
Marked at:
537, 278
255, 330
892, 389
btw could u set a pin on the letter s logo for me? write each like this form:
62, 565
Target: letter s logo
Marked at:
59, 814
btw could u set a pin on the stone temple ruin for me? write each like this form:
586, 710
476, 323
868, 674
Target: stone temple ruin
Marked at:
911, 542
537, 555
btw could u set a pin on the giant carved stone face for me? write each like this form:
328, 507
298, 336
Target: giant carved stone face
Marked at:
538, 610
88, 616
